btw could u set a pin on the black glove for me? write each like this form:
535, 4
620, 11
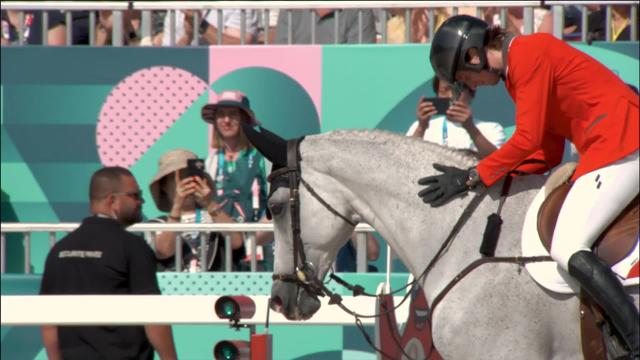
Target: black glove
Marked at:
442, 188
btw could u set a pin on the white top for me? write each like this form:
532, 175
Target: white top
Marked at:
230, 19
444, 132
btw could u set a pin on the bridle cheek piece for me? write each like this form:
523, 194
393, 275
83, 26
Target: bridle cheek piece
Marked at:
304, 274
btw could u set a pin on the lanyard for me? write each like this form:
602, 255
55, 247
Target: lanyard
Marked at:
445, 131
614, 33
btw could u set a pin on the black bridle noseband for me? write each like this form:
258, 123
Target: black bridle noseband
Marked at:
304, 274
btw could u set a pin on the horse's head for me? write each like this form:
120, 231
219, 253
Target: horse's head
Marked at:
305, 214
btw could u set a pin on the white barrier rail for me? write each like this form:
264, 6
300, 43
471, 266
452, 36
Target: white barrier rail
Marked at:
32, 310
259, 5
265, 6
202, 5
150, 228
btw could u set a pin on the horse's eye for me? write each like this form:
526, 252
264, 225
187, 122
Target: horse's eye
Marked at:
276, 208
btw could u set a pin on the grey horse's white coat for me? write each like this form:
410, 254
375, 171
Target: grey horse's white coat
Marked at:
497, 311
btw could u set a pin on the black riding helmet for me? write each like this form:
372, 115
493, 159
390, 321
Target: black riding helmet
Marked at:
451, 42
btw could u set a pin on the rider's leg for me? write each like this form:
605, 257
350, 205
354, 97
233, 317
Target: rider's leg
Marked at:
594, 201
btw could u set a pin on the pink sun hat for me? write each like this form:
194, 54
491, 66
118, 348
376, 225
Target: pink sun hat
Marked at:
230, 98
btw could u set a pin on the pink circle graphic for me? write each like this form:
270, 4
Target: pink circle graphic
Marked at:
140, 109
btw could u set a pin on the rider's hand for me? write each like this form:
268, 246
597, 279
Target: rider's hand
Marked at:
459, 112
424, 112
442, 188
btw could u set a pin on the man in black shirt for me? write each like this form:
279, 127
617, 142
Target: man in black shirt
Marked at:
100, 258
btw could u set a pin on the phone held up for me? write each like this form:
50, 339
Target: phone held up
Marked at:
441, 104
195, 167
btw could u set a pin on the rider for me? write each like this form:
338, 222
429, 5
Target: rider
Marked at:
560, 93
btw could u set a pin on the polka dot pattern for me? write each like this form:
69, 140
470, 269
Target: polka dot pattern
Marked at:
140, 109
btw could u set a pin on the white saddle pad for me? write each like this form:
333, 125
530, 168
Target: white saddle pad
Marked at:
548, 274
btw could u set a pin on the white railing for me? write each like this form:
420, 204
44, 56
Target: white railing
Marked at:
33, 310
266, 6
149, 228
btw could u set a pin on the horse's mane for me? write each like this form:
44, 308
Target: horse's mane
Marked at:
398, 145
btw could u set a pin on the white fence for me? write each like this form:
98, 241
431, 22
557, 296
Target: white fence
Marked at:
118, 7
248, 228
32, 310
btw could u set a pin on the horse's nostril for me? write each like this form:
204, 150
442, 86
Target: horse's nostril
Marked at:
276, 303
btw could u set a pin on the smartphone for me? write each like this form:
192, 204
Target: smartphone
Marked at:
441, 104
195, 167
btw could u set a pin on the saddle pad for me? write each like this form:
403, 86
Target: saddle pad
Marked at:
549, 274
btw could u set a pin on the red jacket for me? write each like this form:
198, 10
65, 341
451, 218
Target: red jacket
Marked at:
562, 93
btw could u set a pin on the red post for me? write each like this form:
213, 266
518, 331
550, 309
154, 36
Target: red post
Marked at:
261, 347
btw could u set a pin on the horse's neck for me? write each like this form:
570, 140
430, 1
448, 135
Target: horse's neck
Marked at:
380, 174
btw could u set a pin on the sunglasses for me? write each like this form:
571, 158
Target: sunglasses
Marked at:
136, 195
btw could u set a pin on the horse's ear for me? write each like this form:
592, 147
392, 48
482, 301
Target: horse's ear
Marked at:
269, 144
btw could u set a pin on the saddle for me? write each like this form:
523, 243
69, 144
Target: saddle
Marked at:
613, 245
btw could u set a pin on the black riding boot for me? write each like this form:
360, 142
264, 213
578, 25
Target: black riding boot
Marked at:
597, 279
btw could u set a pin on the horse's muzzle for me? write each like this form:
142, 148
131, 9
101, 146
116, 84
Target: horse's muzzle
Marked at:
293, 301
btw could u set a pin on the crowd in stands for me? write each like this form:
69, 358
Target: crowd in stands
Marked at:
282, 27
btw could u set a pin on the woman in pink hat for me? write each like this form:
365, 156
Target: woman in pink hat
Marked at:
237, 168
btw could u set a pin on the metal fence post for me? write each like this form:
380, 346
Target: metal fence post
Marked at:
227, 254
528, 20
3, 256
361, 252
68, 27
116, 31
178, 256
203, 253
558, 20
27, 252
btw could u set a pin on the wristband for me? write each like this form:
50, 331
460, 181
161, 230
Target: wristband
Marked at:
176, 218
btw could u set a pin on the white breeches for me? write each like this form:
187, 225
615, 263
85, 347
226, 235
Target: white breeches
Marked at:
593, 202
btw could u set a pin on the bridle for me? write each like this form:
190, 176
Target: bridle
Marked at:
304, 274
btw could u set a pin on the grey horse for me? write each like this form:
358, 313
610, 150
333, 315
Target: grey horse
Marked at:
495, 312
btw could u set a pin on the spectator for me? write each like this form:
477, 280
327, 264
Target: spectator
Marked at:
269, 24
325, 26
596, 21
231, 27
396, 25
130, 27
542, 19
99, 258
32, 27
237, 167
458, 129
621, 22
346, 260
184, 198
